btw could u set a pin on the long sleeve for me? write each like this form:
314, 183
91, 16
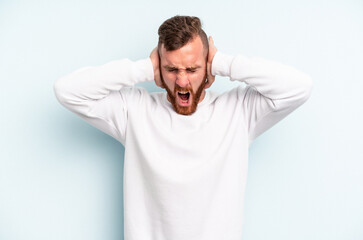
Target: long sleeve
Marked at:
273, 89
98, 94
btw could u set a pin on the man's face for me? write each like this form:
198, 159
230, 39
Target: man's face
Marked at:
183, 73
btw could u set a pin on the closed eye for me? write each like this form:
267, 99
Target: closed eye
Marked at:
169, 69
192, 69
176, 70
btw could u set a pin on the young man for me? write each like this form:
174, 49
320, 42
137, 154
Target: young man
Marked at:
186, 151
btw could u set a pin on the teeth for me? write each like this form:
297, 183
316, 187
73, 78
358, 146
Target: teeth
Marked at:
183, 92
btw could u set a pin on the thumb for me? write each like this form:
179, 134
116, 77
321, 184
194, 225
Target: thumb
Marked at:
210, 46
211, 42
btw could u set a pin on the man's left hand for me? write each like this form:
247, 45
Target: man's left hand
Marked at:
211, 53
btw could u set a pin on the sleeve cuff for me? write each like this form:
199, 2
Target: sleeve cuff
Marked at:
221, 64
144, 70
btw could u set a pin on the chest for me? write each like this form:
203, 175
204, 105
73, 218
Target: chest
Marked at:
212, 129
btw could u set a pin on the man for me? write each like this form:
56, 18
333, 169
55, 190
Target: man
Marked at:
186, 151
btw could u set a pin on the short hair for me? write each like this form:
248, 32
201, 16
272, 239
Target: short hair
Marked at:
177, 31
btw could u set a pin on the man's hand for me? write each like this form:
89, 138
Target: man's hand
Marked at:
211, 53
154, 56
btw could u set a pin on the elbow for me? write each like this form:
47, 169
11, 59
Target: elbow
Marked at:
307, 88
60, 90
304, 89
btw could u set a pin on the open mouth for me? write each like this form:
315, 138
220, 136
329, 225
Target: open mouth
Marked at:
184, 98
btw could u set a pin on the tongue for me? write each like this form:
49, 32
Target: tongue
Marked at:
184, 96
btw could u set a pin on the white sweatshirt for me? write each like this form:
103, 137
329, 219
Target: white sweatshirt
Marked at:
184, 176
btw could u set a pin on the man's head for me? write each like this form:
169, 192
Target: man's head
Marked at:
183, 51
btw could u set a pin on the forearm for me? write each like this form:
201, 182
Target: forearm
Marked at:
95, 93
281, 83
94, 83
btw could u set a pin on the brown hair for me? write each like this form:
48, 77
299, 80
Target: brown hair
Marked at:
177, 31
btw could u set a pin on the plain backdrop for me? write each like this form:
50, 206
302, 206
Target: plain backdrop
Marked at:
62, 179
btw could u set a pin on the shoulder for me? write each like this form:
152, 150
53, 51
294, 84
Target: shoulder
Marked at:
233, 95
236, 98
133, 93
136, 96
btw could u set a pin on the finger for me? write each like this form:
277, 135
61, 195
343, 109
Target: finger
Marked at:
210, 50
159, 83
211, 42
210, 75
208, 84
209, 79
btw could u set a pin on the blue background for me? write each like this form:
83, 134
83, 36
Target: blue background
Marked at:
60, 178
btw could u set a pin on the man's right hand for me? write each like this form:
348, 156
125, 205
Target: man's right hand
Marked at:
154, 56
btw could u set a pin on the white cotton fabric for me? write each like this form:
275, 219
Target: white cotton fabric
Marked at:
184, 176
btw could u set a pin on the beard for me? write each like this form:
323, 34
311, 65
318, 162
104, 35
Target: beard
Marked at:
172, 96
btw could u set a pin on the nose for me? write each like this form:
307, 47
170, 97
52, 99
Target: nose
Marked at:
182, 79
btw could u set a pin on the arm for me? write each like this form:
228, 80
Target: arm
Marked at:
98, 94
274, 90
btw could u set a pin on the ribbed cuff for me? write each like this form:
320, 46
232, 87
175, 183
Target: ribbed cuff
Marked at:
144, 70
221, 64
